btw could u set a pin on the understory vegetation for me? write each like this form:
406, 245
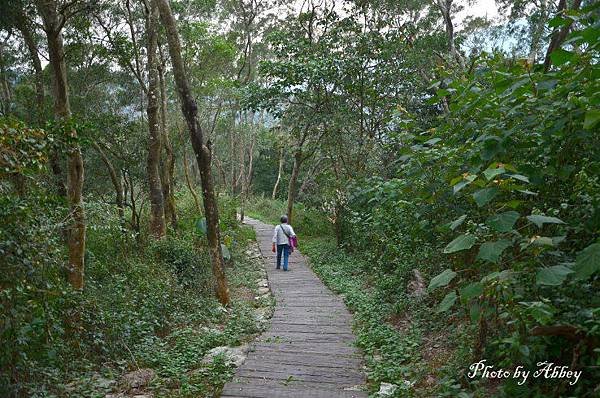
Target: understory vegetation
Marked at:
147, 305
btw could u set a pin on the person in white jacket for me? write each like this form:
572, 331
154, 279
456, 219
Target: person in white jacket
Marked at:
281, 242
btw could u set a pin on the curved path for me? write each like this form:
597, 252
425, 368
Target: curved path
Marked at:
307, 351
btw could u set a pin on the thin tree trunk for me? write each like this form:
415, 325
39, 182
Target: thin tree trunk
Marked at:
135, 223
222, 173
559, 35
189, 182
202, 150
168, 164
115, 179
157, 207
232, 142
292, 185
6, 91
247, 182
445, 7
62, 110
279, 172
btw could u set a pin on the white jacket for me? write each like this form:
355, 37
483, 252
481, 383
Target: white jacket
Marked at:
279, 237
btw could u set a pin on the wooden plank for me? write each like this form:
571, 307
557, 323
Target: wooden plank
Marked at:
280, 391
324, 378
308, 360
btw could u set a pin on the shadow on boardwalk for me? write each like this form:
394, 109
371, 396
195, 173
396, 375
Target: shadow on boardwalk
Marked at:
307, 351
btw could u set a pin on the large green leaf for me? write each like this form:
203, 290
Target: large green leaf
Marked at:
442, 279
542, 241
588, 261
540, 311
541, 220
463, 183
447, 302
592, 117
491, 251
493, 172
463, 242
470, 291
484, 195
552, 276
503, 222
519, 177
456, 223
560, 56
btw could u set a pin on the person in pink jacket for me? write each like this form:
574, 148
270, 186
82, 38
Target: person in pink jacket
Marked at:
281, 242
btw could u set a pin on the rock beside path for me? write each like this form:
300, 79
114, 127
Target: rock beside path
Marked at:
233, 355
137, 379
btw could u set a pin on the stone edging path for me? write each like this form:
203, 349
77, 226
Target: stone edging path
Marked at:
307, 351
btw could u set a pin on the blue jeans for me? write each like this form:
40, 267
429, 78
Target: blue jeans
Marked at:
285, 249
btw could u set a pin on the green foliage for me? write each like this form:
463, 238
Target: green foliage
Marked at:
22, 149
307, 221
144, 305
501, 201
442, 279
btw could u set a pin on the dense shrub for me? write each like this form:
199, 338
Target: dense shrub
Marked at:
510, 176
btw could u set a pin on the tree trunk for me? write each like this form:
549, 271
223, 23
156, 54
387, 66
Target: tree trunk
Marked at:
292, 185
115, 179
168, 163
232, 142
5, 91
202, 150
445, 7
559, 35
279, 172
62, 110
25, 30
189, 182
157, 207
222, 173
247, 181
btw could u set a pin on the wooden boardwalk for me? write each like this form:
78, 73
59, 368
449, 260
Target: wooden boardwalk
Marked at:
307, 351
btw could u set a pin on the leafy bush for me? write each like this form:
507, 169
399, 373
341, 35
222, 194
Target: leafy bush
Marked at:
306, 221
515, 188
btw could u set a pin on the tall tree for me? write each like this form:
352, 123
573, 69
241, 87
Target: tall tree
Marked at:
279, 172
53, 25
157, 203
445, 7
167, 163
201, 148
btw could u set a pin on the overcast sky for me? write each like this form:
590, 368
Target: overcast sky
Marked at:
479, 8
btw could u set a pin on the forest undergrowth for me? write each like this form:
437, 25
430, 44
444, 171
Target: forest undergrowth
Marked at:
148, 305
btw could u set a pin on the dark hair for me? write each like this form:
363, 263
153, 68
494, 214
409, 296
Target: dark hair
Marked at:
283, 219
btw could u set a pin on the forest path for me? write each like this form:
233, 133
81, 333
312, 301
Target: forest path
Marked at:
307, 351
